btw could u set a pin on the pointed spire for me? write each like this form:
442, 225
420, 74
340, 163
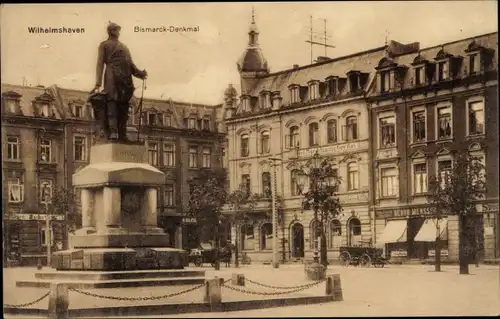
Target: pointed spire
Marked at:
253, 15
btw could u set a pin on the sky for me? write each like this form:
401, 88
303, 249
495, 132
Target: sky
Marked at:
197, 66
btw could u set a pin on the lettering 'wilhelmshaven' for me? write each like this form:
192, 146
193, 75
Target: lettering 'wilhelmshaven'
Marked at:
171, 28
62, 30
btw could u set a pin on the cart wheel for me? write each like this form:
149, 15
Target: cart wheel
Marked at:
365, 261
345, 259
198, 262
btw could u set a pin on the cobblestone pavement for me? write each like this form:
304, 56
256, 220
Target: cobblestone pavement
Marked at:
407, 290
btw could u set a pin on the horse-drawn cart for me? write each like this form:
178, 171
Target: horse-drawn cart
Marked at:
362, 256
207, 253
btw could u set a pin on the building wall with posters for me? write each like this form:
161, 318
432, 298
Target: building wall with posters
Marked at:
425, 108
46, 137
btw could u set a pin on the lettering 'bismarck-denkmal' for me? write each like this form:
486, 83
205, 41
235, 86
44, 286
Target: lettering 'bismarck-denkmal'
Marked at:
171, 28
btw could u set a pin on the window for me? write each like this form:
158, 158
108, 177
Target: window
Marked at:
153, 153
419, 126
294, 137
294, 95
151, 119
16, 190
169, 155
351, 128
385, 81
244, 145
167, 120
353, 176
331, 129
266, 184
420, 178
389, 181
206, 157
476, 118
419, 76
444, 122
206, 124
266, 239
353, 82
193, 157
13, 147
45, 150
336, 234
223, 158
313, 91
78, 111
45, 110
474, 65
295, 189
192, 123
79, 148
245, 180
247, 237
45, 191
388, 132
264, 142
12, 106
332, 87
169, 199
313, 134
444, 171
442, 71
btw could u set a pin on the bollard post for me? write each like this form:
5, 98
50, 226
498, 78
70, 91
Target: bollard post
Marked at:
58, 301
213, 294
337, 288
329, 286
238, 280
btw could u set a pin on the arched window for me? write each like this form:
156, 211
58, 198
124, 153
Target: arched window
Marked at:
335, 234
331, 131
247, 237
314, 233
293, 138
313, 134
351, 128
353, 176
264, 142
244, 145
266, 236
354, 232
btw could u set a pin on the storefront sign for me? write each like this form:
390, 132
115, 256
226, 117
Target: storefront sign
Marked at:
406, 212
444, 253
189, 220
333, 149
19, 216
399, 253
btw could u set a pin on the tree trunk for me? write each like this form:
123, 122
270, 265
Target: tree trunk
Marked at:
236, 247
323, 248
437, 250
217, 247
462, 245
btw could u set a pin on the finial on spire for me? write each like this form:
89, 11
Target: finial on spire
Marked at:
253, 14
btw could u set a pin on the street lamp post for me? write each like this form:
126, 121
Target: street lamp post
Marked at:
274, 212
48, 238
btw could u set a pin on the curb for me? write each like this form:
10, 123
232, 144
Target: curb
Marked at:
169, 309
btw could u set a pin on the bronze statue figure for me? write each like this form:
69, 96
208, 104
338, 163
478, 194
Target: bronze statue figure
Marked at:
113, 102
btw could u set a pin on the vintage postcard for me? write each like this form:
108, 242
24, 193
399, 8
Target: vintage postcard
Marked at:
285, 159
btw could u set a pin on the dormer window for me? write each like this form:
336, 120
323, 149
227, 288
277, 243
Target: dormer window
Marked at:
332, 86
354, 81
313, 90
474, 63
12, 106
245, 100
385, 81
151, 119
192, 123
45, 110
206, 124
265, 100
294, 94
276, 100
419, 75
479, 57
167, 120
443, 70
78, 111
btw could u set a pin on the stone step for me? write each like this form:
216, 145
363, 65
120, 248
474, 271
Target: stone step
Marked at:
117, 283
110, 275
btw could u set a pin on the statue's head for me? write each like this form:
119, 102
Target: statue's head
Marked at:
114, 29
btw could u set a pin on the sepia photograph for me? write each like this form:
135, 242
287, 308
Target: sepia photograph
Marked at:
250, 159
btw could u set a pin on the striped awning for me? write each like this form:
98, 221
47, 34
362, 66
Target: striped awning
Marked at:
427, 232
394, 232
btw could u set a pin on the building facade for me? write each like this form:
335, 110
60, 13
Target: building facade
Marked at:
46, 137
425, 108
288, 116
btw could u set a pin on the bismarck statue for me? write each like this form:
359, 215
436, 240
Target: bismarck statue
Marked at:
112, 104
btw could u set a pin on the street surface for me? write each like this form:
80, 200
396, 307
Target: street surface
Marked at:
396, 290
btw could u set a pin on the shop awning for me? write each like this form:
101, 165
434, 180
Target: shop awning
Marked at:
428, 230
394, 232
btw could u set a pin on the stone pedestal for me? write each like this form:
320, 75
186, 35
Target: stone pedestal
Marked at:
119, 219
316, 272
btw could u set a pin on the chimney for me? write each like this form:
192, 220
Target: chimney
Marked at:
295, 66
322, 59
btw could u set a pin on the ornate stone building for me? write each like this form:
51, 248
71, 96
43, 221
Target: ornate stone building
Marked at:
46, 137
426, 107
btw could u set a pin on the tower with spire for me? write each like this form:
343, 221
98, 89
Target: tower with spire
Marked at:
252, 63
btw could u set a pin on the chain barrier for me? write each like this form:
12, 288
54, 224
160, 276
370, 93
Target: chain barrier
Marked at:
303, 287
28, 303
137, 298
275, 287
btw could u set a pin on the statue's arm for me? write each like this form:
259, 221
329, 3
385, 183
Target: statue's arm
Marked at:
100, 65
141, 74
